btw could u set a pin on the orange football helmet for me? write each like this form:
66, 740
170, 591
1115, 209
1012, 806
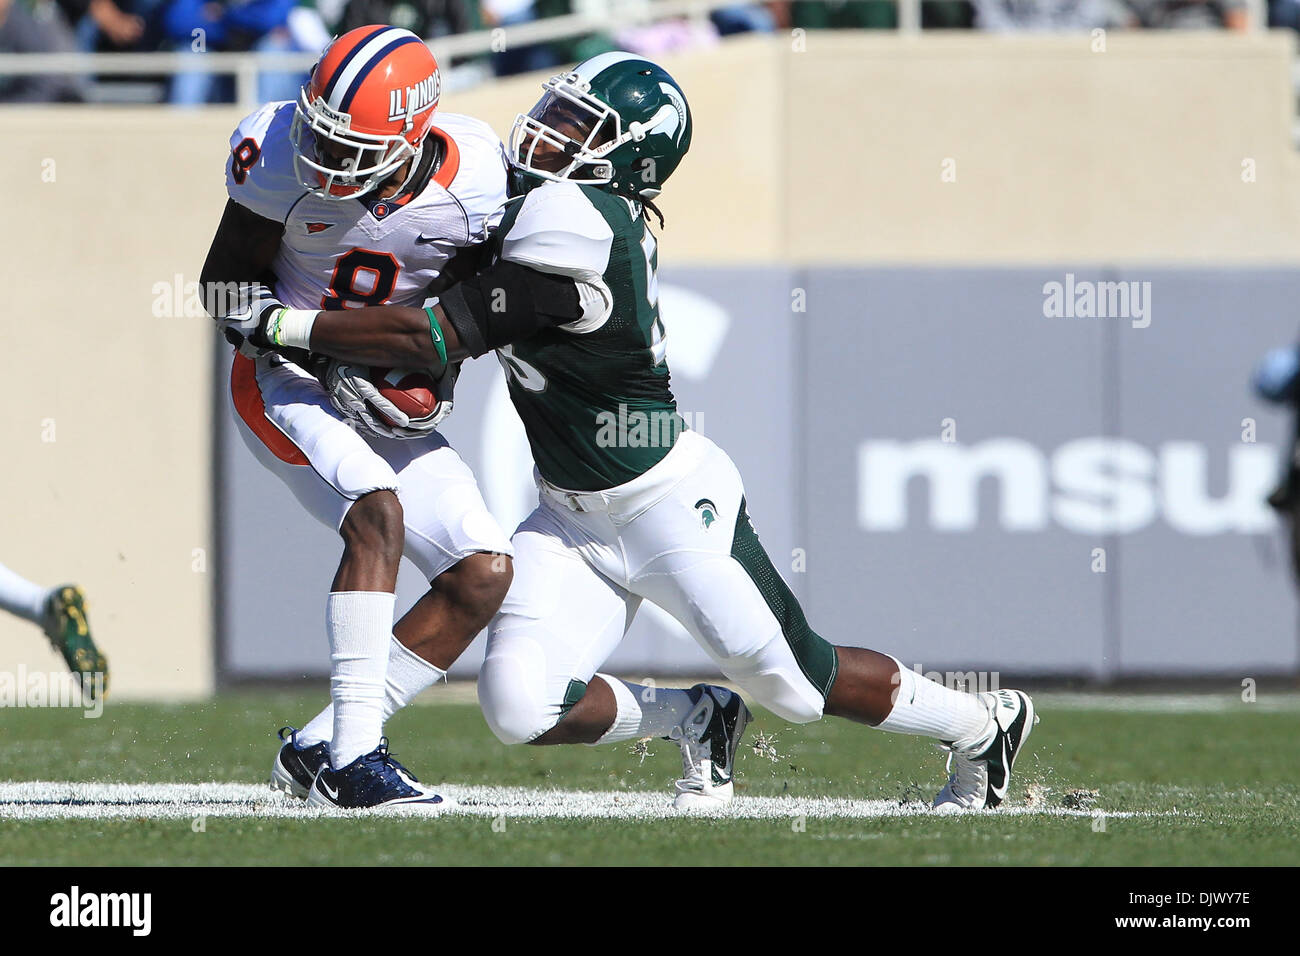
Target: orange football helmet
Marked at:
365, 111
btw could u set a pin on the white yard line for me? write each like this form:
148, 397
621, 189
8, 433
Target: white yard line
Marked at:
189, 802
1169, 703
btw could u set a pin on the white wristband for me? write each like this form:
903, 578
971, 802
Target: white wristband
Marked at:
291, 328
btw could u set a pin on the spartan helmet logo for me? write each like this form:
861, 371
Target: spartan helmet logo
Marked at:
708, 512
672, 122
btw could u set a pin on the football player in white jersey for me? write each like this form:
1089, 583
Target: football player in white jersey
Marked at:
61, 613
360, 195
620, 520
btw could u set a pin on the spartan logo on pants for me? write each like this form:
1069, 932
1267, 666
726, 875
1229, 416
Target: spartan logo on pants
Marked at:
708, 512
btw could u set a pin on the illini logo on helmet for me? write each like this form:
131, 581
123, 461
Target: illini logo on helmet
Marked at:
413, 100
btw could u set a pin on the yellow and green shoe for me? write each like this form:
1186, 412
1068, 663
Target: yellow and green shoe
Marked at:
68, 629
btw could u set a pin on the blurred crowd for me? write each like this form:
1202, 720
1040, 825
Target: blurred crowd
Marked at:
199, 26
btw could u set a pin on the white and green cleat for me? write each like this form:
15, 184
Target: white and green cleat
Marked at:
709, 737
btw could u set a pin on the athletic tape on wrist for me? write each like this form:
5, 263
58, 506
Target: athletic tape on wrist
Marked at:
291, 328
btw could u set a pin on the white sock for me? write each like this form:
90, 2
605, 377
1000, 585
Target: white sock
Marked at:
22, 597
408, 674
924, 707
644, 711
360, 627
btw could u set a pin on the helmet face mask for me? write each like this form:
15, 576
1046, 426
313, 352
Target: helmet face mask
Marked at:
365, 112
566, 124
617, 121
335, 162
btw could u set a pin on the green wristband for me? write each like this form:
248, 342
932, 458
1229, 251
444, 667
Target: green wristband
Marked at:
272, 325
438, 342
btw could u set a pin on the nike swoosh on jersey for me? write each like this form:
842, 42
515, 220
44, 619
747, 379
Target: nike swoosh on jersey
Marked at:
425, 240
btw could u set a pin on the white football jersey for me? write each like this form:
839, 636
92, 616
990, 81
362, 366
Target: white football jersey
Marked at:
349, 253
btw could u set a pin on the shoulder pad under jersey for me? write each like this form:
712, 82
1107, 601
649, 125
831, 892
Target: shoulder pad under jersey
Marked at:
559, 231
260, 172
478, 183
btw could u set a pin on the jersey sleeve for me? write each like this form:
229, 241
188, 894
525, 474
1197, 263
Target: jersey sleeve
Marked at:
558, 231
260, 172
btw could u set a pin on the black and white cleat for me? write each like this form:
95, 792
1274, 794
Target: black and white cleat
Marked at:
979, 780
709, 737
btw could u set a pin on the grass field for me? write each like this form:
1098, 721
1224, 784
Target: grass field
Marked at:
1178, 781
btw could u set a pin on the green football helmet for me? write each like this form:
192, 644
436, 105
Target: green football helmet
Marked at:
617, 121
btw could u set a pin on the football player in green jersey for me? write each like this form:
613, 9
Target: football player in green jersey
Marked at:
648, 512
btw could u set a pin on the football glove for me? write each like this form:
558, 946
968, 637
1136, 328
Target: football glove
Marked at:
352, 393
244, 326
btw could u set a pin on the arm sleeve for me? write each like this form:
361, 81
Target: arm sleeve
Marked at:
560, 233
507, 303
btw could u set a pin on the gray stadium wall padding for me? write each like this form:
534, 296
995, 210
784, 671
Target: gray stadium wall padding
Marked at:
954, 466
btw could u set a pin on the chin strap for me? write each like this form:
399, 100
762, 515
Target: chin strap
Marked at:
417, 161
415, 168
439, 154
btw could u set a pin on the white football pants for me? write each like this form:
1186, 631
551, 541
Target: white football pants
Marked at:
677, 536
286, 420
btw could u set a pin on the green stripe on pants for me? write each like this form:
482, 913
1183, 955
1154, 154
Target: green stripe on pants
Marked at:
816, 657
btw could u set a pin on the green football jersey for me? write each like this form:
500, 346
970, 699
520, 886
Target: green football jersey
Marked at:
593, 394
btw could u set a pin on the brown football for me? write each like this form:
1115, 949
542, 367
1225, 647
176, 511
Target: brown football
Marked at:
411, 390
